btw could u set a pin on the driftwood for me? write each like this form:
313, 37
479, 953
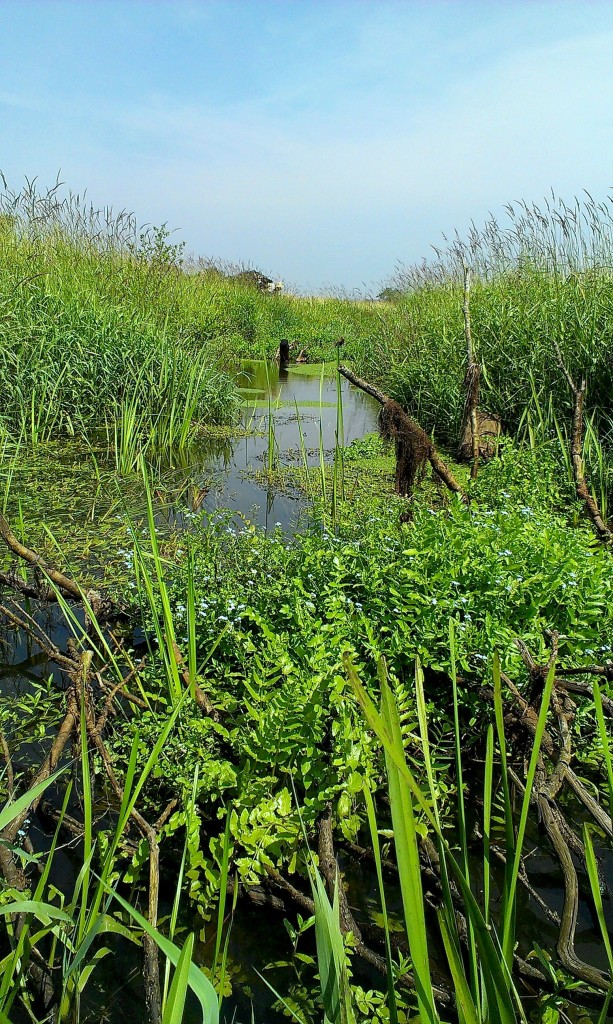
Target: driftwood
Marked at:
413, 446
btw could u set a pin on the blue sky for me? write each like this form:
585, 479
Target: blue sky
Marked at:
324, 142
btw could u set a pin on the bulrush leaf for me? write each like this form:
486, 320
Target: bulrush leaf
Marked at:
407, 854
175, 1004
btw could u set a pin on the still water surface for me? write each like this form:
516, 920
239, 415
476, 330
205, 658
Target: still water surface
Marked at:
303, 407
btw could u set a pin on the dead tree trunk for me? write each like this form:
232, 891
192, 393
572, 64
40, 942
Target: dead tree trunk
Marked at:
576, 451
478, 429
470, 419
413, 446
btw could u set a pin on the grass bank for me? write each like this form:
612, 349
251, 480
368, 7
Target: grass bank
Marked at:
408, 683
541, 277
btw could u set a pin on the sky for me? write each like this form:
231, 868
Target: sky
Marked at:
323, 142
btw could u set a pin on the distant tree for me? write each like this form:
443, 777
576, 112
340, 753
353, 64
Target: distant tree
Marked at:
154, 247
390, 294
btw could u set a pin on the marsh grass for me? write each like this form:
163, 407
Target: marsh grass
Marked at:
91, 336
82, 930
339, 441
543, 274
483, 984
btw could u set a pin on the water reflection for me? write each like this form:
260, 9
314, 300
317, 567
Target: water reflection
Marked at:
303, 405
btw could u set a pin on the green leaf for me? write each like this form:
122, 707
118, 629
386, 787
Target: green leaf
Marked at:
12, 810
45, 912
87, 971
592, 871
175, 1004
198, 982
460, 984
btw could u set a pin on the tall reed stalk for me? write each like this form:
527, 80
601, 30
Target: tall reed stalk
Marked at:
484, 987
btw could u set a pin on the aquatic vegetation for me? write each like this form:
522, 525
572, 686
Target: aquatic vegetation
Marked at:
421, 685
264, 631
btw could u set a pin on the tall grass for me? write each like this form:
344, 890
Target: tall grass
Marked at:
541, 273
483, 983
540, 427
71, 939
94, 335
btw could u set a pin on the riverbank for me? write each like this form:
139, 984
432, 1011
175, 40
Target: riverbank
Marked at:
260, 662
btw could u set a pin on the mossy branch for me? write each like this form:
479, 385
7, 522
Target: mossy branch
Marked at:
413, 446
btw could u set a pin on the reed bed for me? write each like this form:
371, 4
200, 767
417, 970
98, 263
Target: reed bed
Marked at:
544, 276
286, 694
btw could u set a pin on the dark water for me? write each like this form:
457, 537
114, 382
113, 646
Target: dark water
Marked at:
300, 404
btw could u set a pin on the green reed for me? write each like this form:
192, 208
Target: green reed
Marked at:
338, 478
322, 455
68, 936
484, 988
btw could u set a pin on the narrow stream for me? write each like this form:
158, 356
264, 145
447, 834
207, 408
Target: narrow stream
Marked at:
303, 406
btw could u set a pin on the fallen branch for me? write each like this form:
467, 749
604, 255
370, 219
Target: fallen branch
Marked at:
584, 689
529, 719
413, 446
22, 620
547, 786
101, 607
606, 671
79, 700
566, 936
62, 582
